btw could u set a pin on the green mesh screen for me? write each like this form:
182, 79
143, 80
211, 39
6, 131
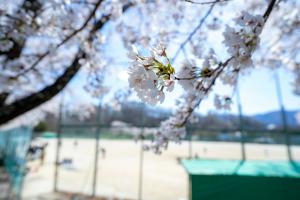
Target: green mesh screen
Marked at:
13, 148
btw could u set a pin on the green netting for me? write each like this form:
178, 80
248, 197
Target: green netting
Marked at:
247, 180
49, 135
13, 147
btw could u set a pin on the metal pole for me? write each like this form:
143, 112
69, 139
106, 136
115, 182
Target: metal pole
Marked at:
238, 99
140, 192
96, 150
141, 161
283, 115
190, 143
58, 144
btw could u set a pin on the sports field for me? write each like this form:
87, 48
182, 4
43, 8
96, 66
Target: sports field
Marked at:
118, 176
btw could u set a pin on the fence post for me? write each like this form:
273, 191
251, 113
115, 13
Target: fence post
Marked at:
141, 161
58, 144
141, 164
190, 142
238, 99
283, 115
97, 149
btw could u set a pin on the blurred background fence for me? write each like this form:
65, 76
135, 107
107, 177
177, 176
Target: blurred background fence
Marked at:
104, 153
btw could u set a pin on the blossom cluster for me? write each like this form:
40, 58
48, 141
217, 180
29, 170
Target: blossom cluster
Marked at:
190, 74
151, 75
148, 76
40, 39
173, 129
169, 130
242, 42
222, 102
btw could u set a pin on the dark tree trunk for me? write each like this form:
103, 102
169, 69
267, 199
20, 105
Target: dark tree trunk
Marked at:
21, 106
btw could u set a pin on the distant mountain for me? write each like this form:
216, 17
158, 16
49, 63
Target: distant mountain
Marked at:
275, 118
136, 114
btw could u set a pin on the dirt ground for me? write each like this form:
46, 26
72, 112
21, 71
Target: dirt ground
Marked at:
163, 177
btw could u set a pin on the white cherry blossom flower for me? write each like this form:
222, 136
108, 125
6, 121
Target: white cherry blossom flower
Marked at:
168, 131
187, 74
222, 102
242, 42
151, 75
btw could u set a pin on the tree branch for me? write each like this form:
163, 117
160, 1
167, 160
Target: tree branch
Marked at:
191, 35
205, 2
70, 36
32, 6
219, 71
8, 112
3, 97
21, 106
269, 9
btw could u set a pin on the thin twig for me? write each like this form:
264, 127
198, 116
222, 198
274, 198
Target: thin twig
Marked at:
206, 2
218, 72
201, 22
269, 9
70, 36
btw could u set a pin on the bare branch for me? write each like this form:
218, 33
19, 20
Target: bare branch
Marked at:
21, 106
206, 2
70, 36
218, 71
201, 22
269, 9
8, 112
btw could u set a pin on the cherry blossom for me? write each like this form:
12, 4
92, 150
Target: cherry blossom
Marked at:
44, 44
151, 75
242, 42
223, 102
199, 81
